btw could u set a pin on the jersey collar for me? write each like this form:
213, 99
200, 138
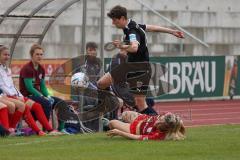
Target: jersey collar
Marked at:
36, 68
126, 28
4, 66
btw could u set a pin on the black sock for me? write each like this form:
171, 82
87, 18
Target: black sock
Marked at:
149, 111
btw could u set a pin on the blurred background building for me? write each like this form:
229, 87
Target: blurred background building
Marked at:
214, 22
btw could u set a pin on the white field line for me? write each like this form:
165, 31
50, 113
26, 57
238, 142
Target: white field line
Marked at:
192, 109
203, 125
197, 105
27, 143
213, 119
225, 113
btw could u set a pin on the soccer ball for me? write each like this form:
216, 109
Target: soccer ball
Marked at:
80, 79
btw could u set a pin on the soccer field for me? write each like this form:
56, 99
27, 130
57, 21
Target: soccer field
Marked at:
202, 143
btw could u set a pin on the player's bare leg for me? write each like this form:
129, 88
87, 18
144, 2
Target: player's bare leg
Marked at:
105, 81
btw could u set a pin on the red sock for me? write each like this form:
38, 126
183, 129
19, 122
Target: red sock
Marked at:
4, 117
10, 117
15, 118
29, 119
38, 111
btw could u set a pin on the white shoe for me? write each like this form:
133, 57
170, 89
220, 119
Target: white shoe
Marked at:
54, 133
11, 132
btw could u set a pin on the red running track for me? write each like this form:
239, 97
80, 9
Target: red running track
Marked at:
197, 113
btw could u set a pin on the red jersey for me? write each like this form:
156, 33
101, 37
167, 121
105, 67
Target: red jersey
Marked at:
28, 71
147, 128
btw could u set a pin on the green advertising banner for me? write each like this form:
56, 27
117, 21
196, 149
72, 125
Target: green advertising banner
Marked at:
201, 76
186, 77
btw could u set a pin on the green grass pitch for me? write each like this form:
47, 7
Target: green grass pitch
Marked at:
202, 143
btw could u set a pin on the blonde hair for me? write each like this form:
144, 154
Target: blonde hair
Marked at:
34, 47
2, 48
173, 127
176, 133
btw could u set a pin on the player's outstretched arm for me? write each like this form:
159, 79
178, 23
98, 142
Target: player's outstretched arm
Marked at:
116, 132
155, 28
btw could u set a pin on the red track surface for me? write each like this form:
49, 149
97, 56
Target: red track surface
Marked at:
204, 112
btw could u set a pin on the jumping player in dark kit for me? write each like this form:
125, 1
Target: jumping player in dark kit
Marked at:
137, 59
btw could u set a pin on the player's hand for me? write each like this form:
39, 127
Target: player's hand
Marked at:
113, 132
51, 100
178, 34
117, 43
21, 99
123, 52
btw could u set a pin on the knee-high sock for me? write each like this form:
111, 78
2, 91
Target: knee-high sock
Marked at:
4, 117
38, 111
10, 117
29, 119
17, 115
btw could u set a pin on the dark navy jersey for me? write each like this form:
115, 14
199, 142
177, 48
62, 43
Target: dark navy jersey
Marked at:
136, 32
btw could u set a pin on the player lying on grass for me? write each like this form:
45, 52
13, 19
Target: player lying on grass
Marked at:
167, 126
